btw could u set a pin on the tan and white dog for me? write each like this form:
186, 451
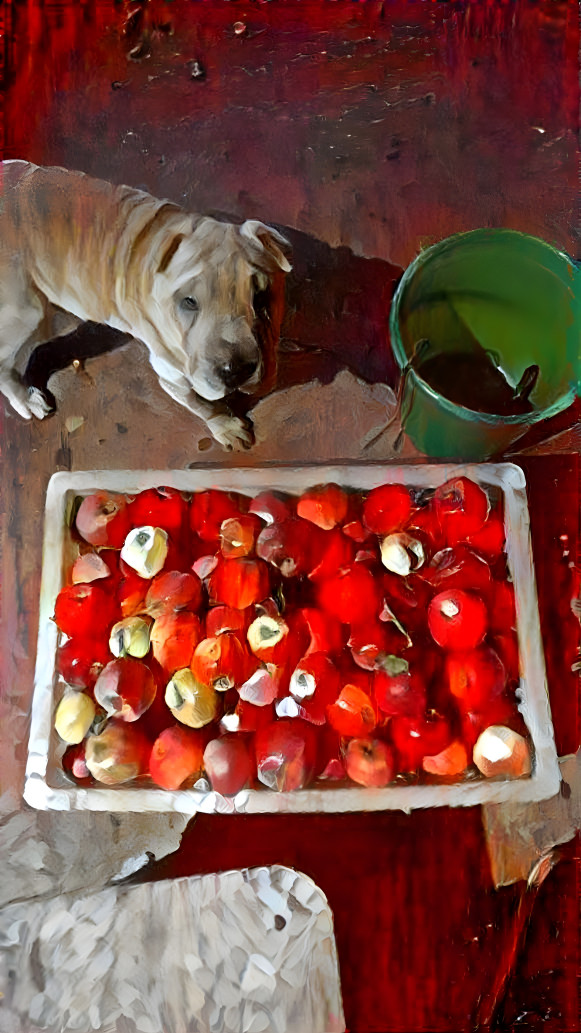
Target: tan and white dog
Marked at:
205, 297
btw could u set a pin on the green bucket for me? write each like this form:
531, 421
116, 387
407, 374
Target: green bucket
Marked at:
485, 328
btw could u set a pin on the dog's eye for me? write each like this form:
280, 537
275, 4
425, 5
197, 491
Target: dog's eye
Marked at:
190, 304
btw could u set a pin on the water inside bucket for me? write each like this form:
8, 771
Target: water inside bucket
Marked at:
478, 384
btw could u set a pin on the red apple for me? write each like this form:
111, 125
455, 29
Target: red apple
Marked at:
457, 619
351, 674
314, 685
269, 607
369, 762
160, 507
120, 753
458, 567
475, 677
209, 509
80, 661
329, 754
158, 716
222, 618
490, 539
334, 770
407, 598
326, 633
372, 641
369, 554
271, 507
176, 757
125, 689
325, 505
286, 752
310, 710
85, 611
417, 737
424, 523
507, 648
352, 596
229, 764
238, 535
103, 519
315, 675
174, 637
399, 635
239, 582
353, 712
112, 558
221, 661
131, 591
173, 590
336, 551
462, 508
293, 547
387, 508
398, 689
180, 555
501, 610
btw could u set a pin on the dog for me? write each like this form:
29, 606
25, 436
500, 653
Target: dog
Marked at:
206, 297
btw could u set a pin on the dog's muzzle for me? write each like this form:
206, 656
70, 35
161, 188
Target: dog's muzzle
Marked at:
237, 373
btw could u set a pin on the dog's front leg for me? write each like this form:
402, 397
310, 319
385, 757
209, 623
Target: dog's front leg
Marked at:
232, 432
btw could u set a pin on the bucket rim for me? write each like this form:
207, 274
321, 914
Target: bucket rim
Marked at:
402, 359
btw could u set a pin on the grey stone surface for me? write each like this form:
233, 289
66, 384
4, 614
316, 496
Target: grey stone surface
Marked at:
195, 955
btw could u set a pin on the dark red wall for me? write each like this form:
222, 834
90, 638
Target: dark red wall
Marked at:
376, 125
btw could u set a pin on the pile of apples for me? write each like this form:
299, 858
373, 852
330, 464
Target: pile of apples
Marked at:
333, 637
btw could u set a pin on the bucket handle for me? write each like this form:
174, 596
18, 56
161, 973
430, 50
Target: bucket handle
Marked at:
419, 350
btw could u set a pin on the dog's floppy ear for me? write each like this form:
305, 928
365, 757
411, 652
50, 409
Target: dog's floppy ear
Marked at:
169, 252
268, 240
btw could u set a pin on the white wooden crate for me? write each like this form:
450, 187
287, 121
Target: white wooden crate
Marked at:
47, 787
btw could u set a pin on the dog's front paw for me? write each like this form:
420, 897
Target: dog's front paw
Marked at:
38, 404
231, 432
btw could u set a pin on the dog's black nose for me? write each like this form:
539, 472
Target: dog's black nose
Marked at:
237, 371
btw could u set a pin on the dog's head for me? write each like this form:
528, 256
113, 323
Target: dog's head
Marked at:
219, 293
